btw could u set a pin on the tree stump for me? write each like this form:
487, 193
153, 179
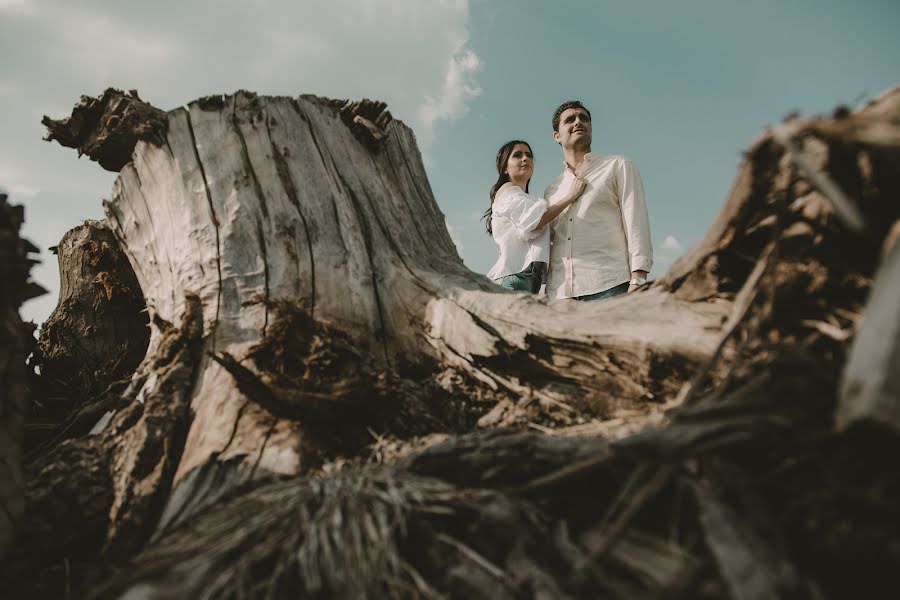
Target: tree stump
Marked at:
308, 309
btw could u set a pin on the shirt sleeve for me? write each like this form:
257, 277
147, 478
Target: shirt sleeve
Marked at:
523, 211
635, 220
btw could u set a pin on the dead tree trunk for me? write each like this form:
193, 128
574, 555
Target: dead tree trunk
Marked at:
304, 294
14, 268
255, 201
93, 340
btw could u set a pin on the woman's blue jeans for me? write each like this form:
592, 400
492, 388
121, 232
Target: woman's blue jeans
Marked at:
529, 280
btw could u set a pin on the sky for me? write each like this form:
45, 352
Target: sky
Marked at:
681, 88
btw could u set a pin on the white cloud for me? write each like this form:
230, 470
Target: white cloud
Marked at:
454, 236
414, 55
452, 101
17, 184
18, 190
24, 7
670, 249
672, 244
110, 44
8, 87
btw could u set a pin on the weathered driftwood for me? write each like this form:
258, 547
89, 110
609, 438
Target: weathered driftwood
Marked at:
692, 509
252, 201
280, 201
107, 128
870, 389
94, 339
14, 268
318, 293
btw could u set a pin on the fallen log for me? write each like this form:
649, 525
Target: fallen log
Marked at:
321, 300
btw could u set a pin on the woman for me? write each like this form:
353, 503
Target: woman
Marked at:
518, 221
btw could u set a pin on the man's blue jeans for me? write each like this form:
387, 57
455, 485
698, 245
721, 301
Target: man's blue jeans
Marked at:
618, 290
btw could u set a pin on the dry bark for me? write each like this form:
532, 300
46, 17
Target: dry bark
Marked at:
322, 301
14, 269
870, 389
95, 338
107, 128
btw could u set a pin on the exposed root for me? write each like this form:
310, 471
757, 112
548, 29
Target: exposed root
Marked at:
310, 372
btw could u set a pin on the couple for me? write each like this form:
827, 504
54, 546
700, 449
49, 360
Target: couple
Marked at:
592, 229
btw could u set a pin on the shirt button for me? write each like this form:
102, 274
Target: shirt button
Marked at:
570, 220
568, 238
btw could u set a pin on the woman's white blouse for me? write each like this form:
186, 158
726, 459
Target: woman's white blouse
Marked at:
514, 216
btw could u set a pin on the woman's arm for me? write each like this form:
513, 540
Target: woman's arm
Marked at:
553, 212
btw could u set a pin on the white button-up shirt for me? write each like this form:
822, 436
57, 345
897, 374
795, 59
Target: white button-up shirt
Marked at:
514, 215
604, 235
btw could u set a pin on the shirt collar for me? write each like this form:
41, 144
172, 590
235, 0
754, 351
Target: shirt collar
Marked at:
588, 159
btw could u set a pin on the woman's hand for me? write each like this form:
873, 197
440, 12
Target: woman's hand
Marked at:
554, 210
576, 190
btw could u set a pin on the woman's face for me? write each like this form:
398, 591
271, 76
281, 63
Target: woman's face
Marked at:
521, 163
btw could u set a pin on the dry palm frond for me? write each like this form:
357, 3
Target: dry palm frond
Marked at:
356, 533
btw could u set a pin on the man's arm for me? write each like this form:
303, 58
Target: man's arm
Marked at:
635, 221
637, 276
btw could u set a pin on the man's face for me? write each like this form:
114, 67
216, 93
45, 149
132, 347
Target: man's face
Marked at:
574, 129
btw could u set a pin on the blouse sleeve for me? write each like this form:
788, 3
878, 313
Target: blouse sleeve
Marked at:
522, 210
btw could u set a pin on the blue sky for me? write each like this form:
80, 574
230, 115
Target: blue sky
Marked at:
679, 87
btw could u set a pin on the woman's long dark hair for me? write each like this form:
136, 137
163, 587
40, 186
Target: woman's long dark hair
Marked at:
503, 155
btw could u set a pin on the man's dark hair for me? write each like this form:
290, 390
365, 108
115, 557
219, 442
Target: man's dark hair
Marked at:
566, 106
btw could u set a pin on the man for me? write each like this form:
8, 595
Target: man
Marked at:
601, 243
